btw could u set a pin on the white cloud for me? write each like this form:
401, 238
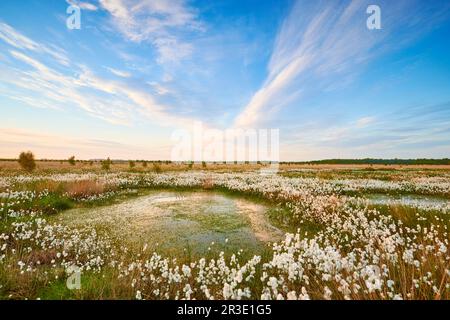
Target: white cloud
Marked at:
119, 73
171, 50
318, 43
83, 5
364, 122
19, 41
15, 39
112, 101
159, 89
158, 22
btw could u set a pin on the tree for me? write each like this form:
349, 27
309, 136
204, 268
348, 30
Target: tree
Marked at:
26, 161
71, 160
106, 164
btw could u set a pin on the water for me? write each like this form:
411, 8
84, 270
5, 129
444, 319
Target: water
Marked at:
188, 221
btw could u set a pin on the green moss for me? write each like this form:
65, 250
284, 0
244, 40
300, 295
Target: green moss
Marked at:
54, 203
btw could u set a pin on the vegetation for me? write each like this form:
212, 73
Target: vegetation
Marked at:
72, 161
26, 161
157, 168
336, 247
445, 161
106, 164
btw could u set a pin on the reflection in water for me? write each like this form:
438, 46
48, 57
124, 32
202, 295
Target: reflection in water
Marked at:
174, 221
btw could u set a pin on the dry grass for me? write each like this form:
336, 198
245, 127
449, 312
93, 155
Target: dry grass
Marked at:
85, 188
64, 166
208, 183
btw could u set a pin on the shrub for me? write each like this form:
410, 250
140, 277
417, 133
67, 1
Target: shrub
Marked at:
144, 164
71, 160
26, 161
203, 164
106, 164
157, 168
132, 164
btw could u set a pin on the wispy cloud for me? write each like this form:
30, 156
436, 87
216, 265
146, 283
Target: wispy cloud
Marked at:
159, 89
83, 5
158, 22
364, 122
113, 101
19, 41
392, 134
310, 68
119, 73
321, 44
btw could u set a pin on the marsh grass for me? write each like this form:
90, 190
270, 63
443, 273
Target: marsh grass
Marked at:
16, 284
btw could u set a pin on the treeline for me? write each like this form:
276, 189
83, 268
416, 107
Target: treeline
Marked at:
445, 161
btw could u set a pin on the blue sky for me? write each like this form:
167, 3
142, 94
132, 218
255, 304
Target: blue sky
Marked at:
140, 69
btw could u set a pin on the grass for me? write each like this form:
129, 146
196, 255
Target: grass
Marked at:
106, 285
53, 204
412, 217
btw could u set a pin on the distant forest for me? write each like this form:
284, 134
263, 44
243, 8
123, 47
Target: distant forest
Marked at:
445, 161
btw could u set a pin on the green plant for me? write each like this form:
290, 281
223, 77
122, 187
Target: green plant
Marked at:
71, 160
106, 164
52, 204
26, 161
157, 168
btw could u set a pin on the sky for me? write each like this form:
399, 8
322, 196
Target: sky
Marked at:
139, 70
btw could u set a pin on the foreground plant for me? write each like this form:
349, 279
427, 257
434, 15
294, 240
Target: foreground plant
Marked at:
354, 251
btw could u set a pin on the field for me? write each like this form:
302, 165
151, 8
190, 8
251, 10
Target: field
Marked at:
216, 231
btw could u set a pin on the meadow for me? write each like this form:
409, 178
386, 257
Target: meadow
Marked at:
347, 231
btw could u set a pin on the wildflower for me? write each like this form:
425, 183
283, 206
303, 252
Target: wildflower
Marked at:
327, 293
